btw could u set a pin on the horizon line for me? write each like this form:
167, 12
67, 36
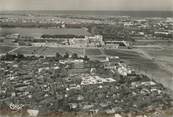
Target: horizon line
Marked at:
81, 10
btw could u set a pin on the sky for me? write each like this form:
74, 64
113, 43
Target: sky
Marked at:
86, 5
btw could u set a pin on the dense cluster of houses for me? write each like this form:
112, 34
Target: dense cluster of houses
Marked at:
46, 85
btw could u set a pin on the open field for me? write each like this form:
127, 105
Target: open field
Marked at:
137, 60
5, 49
164, 57
159, 52
49, 51
143, 64
123, 54
93, 52
154, 42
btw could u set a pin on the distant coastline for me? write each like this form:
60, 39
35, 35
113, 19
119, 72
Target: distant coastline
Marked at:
94, 13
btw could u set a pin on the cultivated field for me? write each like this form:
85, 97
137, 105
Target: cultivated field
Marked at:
37, 32
48, 51
5, 49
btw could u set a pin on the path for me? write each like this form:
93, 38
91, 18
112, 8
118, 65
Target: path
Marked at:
14, 49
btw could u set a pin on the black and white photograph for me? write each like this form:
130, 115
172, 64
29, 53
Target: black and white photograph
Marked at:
86, 58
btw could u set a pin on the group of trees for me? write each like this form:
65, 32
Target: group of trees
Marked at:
58, 56
29, 24
61, 36
18, 57
111, 32
164, 35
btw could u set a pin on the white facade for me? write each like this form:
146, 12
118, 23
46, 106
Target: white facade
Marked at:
90, 41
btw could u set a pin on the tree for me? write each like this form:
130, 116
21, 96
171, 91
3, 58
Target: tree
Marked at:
58, 56
74, 56
86, 58
66, 55
8, 57
20, 56
63, 73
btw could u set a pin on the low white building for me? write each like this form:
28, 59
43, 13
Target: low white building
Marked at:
87, 41
117, 43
